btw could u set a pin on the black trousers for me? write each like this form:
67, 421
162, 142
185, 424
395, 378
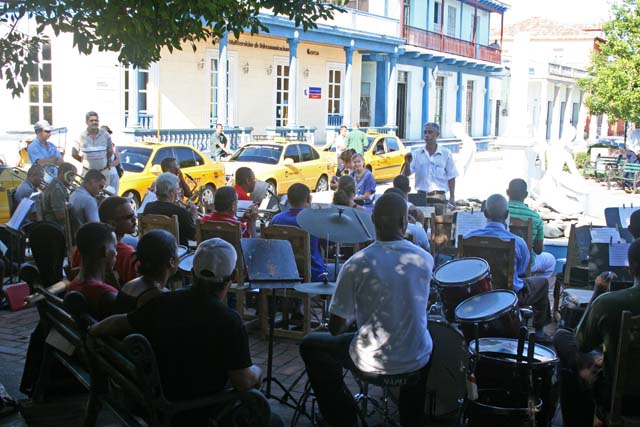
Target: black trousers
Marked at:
325, 356
535, 293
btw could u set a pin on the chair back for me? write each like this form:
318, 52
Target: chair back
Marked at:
300, 243
11, 200
626, 371
226, 231
48, 246
524, 229
442, 227
498, 253
70, 230
148, 222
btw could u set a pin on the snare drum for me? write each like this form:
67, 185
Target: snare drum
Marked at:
497, 370
495, 312
573, 305
459, 279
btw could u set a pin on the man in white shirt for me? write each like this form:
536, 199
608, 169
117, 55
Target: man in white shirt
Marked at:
385, 289
434, 167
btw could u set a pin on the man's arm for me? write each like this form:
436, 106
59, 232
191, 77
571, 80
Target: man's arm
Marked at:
538, 246
337, 325
246, 379
76, 154
452, 191
117, 325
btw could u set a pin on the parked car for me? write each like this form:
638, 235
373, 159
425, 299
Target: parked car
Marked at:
141, 164
282, 163
383, 155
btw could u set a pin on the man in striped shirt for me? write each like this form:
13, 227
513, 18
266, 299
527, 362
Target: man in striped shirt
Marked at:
542, 263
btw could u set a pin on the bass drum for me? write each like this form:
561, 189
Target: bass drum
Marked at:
446, 384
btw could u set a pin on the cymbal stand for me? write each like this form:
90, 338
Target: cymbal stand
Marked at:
437, 308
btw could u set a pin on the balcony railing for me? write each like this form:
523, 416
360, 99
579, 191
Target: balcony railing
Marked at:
447, 44
564, 71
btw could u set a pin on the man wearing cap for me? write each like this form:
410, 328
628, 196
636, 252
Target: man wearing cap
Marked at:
92, 140
41, 151
209, 344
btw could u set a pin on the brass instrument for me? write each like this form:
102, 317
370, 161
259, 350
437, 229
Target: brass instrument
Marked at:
57, 288
75, 180
21, 174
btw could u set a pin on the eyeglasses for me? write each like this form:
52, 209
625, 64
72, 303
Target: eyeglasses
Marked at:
46, 131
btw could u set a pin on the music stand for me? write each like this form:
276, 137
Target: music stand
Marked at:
271, 265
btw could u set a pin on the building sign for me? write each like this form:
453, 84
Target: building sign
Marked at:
313, 92
258, 45
312, 52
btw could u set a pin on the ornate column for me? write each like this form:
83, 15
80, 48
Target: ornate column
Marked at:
221, 82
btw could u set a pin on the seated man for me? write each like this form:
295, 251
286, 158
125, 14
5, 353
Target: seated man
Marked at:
531, 291
167, 204
208, 347
97, 246
35, 176
83, 204
56, 195
586, 372
245, 183
389, 273
170, 165
225, 204
542, 263
118, 213
414, 229
299, 197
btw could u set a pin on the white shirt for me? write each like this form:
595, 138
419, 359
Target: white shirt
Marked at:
386, 288
433, 172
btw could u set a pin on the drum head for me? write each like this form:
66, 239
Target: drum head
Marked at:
182, 251
507, 349
446, 383
186, 262
486, 306
461, 272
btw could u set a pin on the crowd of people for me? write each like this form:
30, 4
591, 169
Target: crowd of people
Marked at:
378, 316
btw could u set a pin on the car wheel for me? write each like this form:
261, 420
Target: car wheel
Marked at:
134, 198
206, 197
323, 184
273, 187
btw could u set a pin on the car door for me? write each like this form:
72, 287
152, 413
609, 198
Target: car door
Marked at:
190, 164
309, 166
291, 170
394, 156
377, 160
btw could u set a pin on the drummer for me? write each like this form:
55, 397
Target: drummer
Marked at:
299, 197
118, 213
531, 291
385, 288
585, 382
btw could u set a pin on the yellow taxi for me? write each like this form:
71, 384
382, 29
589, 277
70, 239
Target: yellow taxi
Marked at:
383, 155
9, 178
141, 164
282, 163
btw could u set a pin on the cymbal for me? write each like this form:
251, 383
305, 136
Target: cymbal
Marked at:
316, 288
340, 224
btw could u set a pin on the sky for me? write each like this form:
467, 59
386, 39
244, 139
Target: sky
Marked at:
565, 11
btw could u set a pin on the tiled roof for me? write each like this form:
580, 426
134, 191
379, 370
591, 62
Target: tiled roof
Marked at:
542, 27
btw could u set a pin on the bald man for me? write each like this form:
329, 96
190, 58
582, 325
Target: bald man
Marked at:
391, 272
531, 291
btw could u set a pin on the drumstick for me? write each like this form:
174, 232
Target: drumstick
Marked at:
521, 339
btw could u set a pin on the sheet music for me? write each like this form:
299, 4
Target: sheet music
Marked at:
618, 254
243, 205
21, 213
148, 198
604, 235
467, 222
625, 215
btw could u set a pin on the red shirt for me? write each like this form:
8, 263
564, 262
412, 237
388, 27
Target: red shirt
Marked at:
242, 194
231, 219
93, 292
126, 263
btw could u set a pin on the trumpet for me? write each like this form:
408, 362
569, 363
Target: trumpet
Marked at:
75, 181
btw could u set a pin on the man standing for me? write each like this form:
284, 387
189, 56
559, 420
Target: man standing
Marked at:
220, 144
94, 147
356, 139
542, 263
208, 347
118, 213
434, 167
56, 195
385, 288
171, 165
531, 291
41, 151
82, 202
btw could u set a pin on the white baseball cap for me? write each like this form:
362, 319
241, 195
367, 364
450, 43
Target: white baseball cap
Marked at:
215, 259
42, 125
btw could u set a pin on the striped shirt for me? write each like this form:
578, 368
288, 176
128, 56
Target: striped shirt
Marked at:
521, 211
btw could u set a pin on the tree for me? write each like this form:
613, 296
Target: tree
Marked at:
138, 30
613, 85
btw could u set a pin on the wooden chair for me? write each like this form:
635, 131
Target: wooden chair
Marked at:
442, 232
500, 255
626, 371
150, 222
231, 233
299, 240
524, 229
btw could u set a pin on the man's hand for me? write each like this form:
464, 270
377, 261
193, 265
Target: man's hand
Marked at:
408, 157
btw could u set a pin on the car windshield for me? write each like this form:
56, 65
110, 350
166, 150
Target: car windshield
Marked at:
269, 154
133, 159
